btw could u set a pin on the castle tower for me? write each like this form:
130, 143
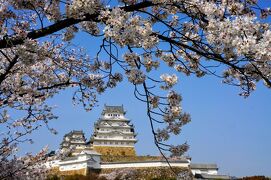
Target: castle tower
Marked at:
113, 134
75, 141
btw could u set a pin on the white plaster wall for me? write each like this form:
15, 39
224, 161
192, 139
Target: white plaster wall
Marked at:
127, 136
74, 166
119, 115
199, 171
106, 130
52, 164
82, 161
115, 137
82, 157
142, 164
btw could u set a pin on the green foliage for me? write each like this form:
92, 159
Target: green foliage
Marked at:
53, 177
108, 158
91, 176
255, 178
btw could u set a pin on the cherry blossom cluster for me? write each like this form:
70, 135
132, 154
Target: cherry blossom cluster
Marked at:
28, 166
170, 80
149, 63
90, 27
126, 29
131, 59
79, 8
136, 76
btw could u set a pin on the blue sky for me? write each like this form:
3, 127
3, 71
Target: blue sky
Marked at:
226, 129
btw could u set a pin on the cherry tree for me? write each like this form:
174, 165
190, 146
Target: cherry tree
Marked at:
229, 39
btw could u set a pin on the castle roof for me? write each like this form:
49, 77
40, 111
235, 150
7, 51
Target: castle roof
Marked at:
74, 132
113, 109
90, 152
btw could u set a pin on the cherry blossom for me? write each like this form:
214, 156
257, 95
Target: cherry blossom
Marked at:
137, 41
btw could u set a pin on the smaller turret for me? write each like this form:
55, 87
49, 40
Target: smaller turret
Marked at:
74, 141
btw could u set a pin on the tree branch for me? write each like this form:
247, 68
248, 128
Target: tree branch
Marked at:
13, 41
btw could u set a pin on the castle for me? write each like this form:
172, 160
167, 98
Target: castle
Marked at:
113, 133
112, 147
74, 139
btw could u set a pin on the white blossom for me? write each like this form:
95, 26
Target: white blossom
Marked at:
170, 80
136, 76
79, 8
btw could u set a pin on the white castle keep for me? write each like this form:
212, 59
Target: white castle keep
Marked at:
113, 133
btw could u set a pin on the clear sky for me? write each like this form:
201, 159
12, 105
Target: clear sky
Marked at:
226, 129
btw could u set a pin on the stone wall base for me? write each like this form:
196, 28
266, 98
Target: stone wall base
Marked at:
115, 151
83, 171
150, 173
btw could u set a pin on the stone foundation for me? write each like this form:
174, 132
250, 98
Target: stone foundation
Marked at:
72, 172
56, 171
164, 173
115, 151
83, 171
